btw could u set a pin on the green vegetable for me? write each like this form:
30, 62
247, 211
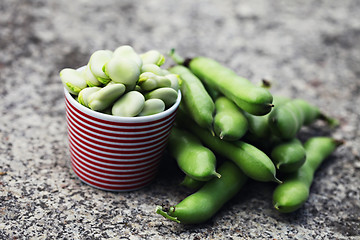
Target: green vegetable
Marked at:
191, 183
72, 80
129, 105
166, 94
84, 94
192, 157
286, 120
294, 191
198, 102
152, 106
229, 122
153, 57
252, 161
207, 201
288, 156
252, 99
96, 63
106, 96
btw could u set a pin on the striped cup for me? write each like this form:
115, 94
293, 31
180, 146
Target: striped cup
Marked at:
116, 153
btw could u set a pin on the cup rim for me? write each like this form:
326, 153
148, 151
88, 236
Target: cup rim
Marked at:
112, 118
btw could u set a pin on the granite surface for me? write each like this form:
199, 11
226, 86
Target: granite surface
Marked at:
309, 49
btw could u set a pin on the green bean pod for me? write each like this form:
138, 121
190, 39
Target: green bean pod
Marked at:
191, 183
258, 125
249, 97
208, 200
192, 157
286, 120
200, 105
252, 161
229, 122
129, 105
294, 191
288, 156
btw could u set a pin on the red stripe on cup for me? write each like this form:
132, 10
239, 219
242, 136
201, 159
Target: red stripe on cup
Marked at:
116, 188
114, 161
113, 144
133, 169
113, 177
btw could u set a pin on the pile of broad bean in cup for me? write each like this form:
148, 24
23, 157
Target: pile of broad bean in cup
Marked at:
226, 130
123, 83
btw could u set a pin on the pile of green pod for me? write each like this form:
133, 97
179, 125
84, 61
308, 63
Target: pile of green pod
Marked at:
229, 130
123, 83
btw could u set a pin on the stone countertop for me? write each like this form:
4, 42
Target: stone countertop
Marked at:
309, 49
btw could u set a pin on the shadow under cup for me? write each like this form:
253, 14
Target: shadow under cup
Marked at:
116, 153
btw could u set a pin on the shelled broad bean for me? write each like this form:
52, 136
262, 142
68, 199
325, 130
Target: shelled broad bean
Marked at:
123, 83
269, 145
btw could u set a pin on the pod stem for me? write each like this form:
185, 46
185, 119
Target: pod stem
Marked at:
277, 180
165, 214
176, 57
218, 175
332, 122
339, 142
265, 83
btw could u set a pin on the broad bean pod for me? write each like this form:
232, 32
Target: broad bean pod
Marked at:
200, 206
192, 157
294, 191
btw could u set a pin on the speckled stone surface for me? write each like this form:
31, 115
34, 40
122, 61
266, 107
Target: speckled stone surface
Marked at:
309, 49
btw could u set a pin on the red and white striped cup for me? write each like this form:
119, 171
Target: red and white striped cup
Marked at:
116, 153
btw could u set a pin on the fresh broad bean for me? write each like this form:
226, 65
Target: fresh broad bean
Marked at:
96, 63
128, 52
149, 81
288, 156
192, 157
153, 57
152, 68
84, 94
72, 80
175, 81
106, 96
258, 126
166, 94
252, 161
90, 79
252, 99
294, 191
129, 105
152, 106
286, 120
229, 122
200, 105
191, 183
122, 70
208, 200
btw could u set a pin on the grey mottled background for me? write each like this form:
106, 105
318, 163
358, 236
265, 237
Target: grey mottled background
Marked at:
310, 49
